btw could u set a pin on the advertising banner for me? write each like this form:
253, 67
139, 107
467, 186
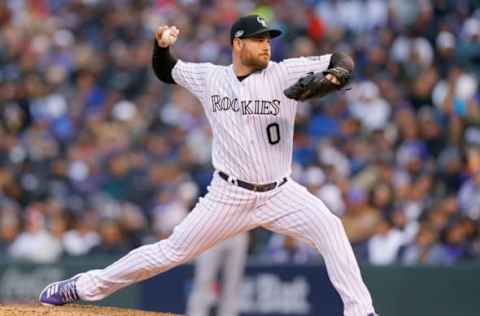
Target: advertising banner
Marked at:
266, 291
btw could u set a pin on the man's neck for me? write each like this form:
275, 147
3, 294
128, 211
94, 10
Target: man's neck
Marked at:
241, 70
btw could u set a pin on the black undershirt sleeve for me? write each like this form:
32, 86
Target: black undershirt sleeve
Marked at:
341, 60
163, 63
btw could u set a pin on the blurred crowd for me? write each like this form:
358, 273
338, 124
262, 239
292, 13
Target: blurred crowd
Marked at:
98, 157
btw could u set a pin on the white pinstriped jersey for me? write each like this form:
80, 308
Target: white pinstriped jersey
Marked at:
252, 121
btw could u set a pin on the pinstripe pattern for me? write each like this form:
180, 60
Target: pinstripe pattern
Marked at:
297, 213
242, 148
228, 210
222, 213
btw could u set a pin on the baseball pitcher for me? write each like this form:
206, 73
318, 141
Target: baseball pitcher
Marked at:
251, 107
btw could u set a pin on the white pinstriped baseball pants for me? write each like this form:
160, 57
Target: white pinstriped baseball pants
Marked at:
227, 210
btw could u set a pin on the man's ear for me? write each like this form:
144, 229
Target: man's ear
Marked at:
237, 43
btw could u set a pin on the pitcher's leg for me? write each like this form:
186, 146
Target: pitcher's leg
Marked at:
208, 223
298, 213
233, 271
207, 266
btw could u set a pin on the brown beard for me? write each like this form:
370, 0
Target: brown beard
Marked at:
254, 63
258, 64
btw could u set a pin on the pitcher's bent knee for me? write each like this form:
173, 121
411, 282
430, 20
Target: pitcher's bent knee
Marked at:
335, 221
328, 220
324, 225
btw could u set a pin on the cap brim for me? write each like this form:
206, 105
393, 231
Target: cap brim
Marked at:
272, 32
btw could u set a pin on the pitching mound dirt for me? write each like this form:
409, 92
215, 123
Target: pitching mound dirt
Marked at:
71, 310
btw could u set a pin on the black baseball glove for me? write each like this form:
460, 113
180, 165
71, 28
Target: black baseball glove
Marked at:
316, 85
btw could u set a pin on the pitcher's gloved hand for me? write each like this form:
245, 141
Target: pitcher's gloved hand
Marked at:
316, 85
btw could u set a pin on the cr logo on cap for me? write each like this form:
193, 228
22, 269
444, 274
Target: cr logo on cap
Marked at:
239, 33
261, 21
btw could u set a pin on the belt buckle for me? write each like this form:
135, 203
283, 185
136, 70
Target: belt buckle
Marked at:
232, 180
255, 187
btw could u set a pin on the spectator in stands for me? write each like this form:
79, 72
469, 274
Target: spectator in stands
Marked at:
384, 246
36, 244
469, 197
360, 221
112, 240
9, 230
420, 251
82, 237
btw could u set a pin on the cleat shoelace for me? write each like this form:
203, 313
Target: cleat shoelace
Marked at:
69, 292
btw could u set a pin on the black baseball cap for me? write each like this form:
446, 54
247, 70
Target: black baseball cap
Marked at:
251, 25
